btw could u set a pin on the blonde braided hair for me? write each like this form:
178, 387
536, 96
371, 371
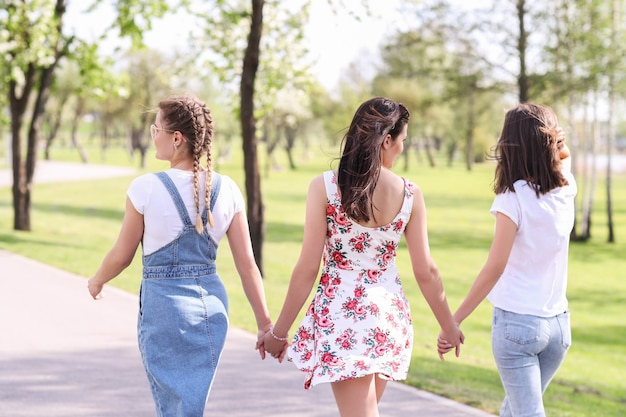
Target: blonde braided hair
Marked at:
192, 118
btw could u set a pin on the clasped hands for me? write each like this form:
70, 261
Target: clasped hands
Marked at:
448, 340
267, 343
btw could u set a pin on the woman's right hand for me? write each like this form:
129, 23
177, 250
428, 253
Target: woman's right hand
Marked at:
448, 340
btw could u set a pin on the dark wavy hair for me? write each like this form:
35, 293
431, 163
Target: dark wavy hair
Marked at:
360, 162
527, 150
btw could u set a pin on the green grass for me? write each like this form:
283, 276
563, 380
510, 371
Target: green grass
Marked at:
74, 224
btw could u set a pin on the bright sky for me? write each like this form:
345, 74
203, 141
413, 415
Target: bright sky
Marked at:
334, 41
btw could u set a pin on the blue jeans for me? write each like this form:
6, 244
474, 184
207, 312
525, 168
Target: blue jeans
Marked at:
528, 351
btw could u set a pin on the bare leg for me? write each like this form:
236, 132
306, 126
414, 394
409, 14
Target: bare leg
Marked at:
381, 384
357, 397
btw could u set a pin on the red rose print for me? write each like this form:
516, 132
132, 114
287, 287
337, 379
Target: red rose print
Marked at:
324, 279
327, 358
324, 322
337, 256
329, 291
341, 219
380, 337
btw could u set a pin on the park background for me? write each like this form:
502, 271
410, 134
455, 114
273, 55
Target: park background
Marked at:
457, 66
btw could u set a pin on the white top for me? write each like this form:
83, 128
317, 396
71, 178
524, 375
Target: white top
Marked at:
535, 278
162, 223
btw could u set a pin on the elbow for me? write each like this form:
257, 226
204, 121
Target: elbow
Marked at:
427, 274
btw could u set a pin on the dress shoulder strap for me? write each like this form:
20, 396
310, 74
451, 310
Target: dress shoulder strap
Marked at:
407, 205
332, 192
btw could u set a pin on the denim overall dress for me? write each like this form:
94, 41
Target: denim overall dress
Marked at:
183, 315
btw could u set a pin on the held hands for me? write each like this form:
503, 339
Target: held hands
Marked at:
448, 340
275, 345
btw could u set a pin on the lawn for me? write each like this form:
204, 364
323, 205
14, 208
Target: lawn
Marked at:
75, 223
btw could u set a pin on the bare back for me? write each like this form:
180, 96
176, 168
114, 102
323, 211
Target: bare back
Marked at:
388, 199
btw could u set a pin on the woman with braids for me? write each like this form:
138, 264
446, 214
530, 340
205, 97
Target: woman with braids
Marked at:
179, 216
525, 274
357, 332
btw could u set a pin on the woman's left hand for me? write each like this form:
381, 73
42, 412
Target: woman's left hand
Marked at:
95, 289
259, 342
276, 348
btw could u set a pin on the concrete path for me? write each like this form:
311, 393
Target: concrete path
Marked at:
52, 171
64, 355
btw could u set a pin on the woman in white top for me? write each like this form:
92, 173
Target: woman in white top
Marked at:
180, 216
525, 275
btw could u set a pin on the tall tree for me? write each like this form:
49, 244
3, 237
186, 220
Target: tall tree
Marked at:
269, 54
613, 69
35, 44
248, 131
522, 46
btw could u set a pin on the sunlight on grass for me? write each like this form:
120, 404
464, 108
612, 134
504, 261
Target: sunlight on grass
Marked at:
75, 224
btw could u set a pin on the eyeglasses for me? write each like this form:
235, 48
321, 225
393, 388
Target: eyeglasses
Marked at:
154, 129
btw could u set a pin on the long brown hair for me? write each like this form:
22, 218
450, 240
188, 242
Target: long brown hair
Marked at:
192, 118
527, 150
361, 161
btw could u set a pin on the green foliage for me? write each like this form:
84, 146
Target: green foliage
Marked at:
134, 17
75, 223
283, 64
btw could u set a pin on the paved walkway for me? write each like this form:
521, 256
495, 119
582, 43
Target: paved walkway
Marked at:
53, 171
64, 355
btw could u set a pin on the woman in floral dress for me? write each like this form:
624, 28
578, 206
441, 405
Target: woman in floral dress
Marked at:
357, 332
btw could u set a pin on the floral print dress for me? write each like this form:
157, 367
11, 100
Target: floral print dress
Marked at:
359, 321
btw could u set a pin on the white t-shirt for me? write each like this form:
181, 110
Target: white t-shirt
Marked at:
535, 278
162, 223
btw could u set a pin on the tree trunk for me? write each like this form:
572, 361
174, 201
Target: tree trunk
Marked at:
23, 171
55, 125
469, 132
21, 184
522, 43
78, 114
615, 11
290, 136
248, 130
429, 152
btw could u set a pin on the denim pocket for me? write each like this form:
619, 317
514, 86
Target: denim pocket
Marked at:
566, 329
521, 329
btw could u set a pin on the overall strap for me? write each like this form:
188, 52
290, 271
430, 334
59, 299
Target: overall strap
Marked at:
178, 201
216, 183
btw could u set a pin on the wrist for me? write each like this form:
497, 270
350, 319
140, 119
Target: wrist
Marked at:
264, 327
278, 336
